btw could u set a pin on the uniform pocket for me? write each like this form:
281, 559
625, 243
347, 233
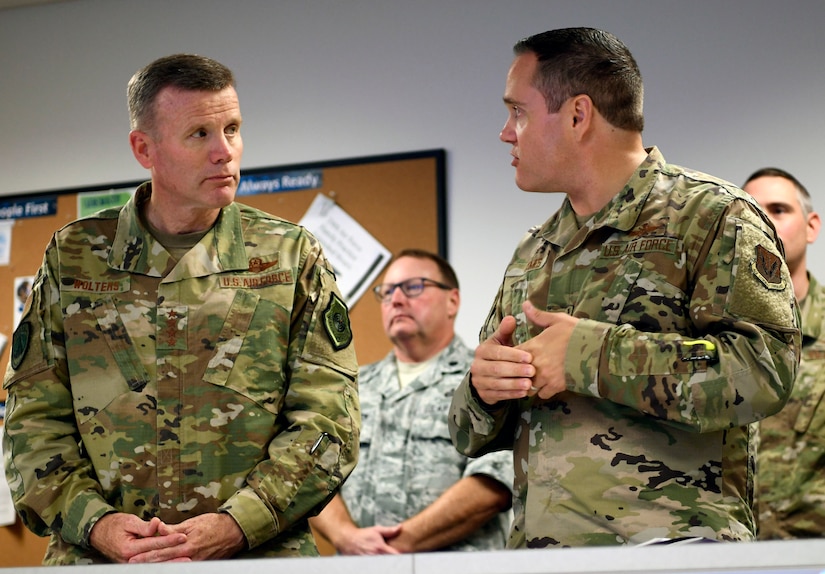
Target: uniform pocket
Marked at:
250, 351
95, 381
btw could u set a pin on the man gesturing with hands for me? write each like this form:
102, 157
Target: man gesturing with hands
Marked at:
637, 333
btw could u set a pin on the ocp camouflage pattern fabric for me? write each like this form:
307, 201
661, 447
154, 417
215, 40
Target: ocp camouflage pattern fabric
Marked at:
160, 388
791, 471
689, 333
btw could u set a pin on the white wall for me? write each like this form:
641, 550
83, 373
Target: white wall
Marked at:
730, 86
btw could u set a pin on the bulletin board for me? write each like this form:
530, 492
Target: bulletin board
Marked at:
399, 199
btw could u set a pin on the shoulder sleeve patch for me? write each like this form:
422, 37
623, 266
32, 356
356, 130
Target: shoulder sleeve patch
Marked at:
767, 267
759, 279
336, 323
20, 344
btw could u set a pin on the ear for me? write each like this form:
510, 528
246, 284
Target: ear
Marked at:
141, 145
581, 110
814, 224
453, 303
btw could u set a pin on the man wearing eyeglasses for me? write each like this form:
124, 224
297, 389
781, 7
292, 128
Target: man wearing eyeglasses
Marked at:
412, 491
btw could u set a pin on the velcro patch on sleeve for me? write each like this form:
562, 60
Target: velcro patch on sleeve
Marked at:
767, 267
760, 282
20, 344
336, 323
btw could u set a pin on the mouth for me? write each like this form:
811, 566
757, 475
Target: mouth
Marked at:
397, 318
225, 179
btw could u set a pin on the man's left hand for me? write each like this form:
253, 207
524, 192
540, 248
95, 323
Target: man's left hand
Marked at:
208, 537
548, 349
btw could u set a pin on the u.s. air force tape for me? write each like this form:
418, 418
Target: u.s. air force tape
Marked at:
336, 323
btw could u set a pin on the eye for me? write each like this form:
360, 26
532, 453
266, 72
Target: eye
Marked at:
199, 133
413, 287
516, 111
232, 130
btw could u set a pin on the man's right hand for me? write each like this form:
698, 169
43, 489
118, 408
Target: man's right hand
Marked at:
369, 541
499, 371
120, 536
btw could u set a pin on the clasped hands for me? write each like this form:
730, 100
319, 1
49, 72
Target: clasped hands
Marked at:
502, 371
123, 537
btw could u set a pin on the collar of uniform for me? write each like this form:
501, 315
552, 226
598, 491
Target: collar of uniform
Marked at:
622, 212
134, 249
448, 361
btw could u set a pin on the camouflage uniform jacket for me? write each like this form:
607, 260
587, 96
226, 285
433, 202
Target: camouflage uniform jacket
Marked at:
406, 459
224, 382
791, 471
688, 333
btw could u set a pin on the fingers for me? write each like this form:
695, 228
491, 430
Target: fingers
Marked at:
389, 532
121, 537
175, 553
371, 540
497, 378
537, 317
504, 334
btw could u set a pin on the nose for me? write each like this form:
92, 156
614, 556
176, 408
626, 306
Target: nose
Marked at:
507, 134
224, 148
397, 295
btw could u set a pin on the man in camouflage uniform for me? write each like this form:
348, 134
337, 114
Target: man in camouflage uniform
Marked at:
637, 333
791, 469
182, 385
412, 491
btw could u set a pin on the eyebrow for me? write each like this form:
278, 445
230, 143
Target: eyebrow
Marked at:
778, 203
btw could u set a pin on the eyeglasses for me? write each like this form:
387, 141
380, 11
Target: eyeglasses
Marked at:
411, 288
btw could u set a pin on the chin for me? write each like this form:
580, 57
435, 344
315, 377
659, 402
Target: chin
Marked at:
401, 333
224, 197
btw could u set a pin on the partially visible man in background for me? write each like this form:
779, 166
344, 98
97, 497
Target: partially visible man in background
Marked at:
412, 491
791, 469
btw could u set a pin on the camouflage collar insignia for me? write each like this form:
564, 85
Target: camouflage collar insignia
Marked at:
336, 323
767, 267
20, 344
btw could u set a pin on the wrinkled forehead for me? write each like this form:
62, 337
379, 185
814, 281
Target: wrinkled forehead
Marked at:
408, 267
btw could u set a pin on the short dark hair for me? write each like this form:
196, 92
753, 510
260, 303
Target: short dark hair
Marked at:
448, 275
592, 62
183, 71
801, 192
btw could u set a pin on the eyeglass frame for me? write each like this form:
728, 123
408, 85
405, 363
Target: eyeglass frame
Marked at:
383, 291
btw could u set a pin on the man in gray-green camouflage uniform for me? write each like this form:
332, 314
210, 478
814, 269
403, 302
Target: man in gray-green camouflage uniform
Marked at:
182, 384
791, 470
412, 491
637, 333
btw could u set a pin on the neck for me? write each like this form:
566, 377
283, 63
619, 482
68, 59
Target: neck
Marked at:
174, 221
610, 160
417, 350
799, 277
